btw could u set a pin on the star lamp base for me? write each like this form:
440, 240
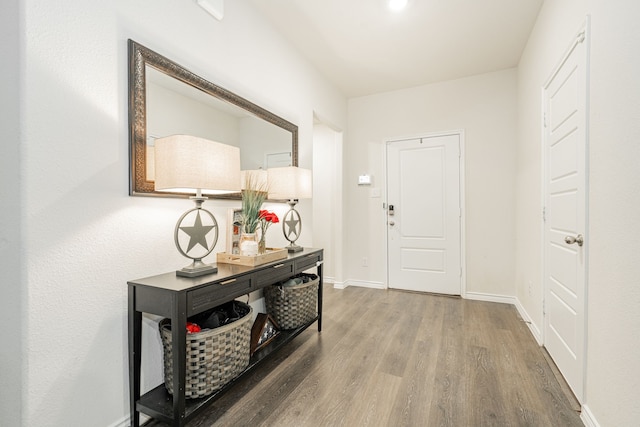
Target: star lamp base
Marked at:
294, 248
197, 269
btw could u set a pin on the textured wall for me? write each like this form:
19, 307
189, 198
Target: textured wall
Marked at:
11, 221
84, 236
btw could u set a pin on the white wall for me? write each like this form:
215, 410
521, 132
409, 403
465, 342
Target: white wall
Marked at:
11, 224
613, 372
613, 350
484, 107
84, 237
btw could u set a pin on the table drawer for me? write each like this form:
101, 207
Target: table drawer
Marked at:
307, 262
217, 293
275, 273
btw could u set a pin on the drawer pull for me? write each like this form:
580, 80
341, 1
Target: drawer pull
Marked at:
226, 282
278, 266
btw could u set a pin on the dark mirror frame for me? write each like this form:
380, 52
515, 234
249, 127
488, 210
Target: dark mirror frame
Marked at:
139, 58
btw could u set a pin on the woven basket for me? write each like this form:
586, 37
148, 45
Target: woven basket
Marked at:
214, 356
293, 306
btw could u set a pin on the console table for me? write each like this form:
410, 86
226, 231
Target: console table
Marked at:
180, 297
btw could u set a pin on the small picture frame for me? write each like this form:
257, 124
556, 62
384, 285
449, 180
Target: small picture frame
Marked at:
263, 331
234, 229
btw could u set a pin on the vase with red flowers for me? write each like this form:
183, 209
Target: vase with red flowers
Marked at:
265, 218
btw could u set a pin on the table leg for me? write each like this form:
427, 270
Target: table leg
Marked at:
320, 297
135, 346
179, 350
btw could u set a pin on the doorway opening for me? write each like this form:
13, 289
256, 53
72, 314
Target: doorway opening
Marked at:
327, 198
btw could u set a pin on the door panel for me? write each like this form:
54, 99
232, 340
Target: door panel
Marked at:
423, 229
565, 212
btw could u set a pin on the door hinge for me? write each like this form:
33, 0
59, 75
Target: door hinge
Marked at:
544, 120
544, 214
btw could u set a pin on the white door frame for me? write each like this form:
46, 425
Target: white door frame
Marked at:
463, 246
582, 36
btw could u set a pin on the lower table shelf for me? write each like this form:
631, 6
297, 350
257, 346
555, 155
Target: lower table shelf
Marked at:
158, 403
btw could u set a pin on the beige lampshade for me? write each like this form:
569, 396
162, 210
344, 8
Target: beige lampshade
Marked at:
185, 163
289, 182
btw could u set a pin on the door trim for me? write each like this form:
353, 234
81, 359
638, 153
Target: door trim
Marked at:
463, 263
583, 35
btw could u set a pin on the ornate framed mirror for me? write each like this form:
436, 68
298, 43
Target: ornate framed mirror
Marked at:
166, 98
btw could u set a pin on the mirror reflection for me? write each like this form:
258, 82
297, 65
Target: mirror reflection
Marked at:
166, 99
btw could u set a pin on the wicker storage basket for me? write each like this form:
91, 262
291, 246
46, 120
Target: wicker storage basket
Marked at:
293, 306
214, 356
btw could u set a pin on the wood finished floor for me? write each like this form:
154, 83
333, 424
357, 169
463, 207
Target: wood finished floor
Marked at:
391, 358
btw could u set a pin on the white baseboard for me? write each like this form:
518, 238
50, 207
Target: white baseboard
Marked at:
126, 421
340, 285
479, 296
535, 331
587, 417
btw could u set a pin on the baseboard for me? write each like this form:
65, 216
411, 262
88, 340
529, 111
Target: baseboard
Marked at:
336, 284
340, 285
126, 421
535, 331
587, 417
479, 296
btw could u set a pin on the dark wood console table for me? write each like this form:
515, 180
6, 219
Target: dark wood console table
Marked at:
178, 298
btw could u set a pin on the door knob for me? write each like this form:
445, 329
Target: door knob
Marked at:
392, 223
570, 240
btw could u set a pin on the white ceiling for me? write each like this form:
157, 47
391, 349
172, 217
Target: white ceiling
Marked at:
364, 48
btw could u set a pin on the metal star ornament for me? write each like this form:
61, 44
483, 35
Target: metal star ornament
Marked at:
293, 227
197, 233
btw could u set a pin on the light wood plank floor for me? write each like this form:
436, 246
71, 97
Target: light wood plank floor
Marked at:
391, 358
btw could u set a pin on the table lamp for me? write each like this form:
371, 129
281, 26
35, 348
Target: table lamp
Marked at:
291, 183
192, 165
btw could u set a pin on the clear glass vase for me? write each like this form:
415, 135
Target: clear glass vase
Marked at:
249, 244
262, 245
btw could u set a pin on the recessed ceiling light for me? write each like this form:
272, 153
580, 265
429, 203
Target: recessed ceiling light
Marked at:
397, 5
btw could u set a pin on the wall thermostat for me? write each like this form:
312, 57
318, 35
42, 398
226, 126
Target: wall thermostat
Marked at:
364, 180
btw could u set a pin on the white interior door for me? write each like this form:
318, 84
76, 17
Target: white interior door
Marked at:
423, 214
565, 216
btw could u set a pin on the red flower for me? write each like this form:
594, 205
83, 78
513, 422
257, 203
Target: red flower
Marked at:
192, 328
268, 216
